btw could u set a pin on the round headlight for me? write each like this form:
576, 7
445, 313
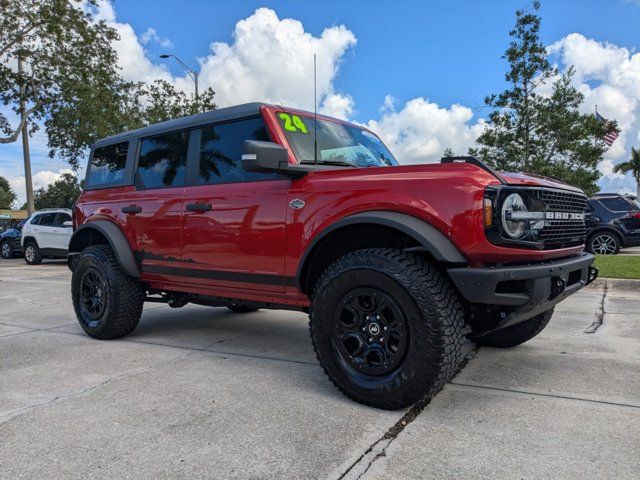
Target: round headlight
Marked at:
514, 227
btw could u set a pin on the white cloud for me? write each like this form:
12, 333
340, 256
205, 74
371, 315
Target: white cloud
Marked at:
609, 77
422, 130
40, 179
271, 59
151, 36
132, 57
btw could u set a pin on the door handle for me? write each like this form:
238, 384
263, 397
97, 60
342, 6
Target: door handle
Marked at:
198, 207
132, 209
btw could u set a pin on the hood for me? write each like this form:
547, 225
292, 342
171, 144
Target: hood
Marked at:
530, 179
11, 232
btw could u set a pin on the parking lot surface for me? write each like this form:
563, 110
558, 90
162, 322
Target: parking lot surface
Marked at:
200, 392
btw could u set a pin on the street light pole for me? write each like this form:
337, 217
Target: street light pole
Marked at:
193, 75
25, 144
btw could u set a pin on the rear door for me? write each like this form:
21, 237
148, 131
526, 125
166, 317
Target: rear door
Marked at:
45, 232
151, 210
234, 220
627, 211
60, 235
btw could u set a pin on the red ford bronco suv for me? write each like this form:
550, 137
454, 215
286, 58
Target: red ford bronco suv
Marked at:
261, 206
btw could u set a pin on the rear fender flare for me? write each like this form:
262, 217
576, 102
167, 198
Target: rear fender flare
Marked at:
117, 242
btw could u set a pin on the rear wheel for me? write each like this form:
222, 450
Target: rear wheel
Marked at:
516, 334
108, 303
32, 254
387, 327
604, 243
5, 249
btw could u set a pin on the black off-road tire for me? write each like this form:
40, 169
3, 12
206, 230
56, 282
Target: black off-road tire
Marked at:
429, 307
32, 253
123, 295
240, 308
5, 249
516, 334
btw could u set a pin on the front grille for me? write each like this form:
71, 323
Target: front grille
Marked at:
565, 232
559, 201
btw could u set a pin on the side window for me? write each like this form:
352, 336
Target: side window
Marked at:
47, 219
60, 218
617, 204
36, 220
221, 152
107, 165
163, 160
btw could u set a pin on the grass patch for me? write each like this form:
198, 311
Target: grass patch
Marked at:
618, 266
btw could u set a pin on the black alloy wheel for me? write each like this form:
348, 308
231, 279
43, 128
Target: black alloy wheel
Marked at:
371, 332
93, 292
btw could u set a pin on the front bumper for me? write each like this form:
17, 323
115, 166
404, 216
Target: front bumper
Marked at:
524, 291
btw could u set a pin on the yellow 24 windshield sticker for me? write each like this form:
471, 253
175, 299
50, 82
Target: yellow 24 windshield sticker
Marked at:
293, 123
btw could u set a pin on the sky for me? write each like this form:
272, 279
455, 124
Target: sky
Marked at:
416, 72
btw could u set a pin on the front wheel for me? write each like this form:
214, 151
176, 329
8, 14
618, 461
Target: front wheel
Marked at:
387, 327
604, 243
32, 254
516, 334
108, 303
5, 249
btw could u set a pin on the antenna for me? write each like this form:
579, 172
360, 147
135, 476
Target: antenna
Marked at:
315, 114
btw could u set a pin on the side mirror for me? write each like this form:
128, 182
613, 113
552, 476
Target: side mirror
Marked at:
260, 156
68, 223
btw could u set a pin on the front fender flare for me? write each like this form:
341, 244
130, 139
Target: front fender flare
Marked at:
117, 242
429, 237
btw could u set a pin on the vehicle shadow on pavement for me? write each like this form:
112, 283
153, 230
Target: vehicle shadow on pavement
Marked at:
278, 335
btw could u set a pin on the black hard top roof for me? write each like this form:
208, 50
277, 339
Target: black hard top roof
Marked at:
219, 115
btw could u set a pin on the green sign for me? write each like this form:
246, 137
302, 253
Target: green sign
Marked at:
293, 123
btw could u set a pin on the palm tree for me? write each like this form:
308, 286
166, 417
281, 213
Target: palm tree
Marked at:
632, 165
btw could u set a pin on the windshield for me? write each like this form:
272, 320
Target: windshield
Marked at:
337, 143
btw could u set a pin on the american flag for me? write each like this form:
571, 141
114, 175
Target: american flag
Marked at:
611, 134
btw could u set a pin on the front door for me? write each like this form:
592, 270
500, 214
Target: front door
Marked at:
234, 221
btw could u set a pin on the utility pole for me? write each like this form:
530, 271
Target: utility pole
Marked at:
25, 143
193, 74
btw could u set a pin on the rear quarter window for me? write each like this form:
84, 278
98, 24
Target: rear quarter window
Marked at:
107, 165
617, 204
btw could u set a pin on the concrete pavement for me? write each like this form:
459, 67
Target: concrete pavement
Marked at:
203, 393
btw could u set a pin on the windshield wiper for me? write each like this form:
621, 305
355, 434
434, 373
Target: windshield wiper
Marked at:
337, 163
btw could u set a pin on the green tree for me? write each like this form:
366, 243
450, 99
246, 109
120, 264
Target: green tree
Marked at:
66, 57
541, 131
62, 193
123, 106
7, 195
632, 165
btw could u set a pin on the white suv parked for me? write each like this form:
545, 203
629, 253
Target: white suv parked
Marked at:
47, 234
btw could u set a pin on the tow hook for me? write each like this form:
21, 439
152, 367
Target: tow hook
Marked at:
557, 287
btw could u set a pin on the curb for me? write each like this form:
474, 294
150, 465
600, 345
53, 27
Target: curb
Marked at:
617, 283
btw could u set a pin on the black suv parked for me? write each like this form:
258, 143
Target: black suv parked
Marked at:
613, 222
10, 241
